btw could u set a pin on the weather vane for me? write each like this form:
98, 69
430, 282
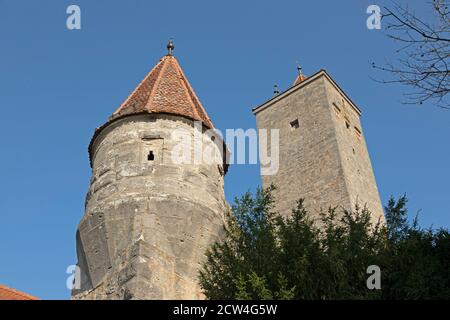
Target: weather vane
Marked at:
299, 69
170, 47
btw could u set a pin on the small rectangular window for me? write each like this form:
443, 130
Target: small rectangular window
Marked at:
152, 150
358, 132
295, 124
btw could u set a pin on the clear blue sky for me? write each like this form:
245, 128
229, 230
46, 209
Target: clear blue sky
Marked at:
57, 85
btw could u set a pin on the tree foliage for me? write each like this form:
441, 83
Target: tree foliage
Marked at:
266, 256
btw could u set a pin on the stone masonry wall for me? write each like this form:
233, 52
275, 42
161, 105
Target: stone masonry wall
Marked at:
317, 162
147, 223
356, 164
309, 156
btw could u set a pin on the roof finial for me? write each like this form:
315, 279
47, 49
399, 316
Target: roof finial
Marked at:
275, 90
170, 47
299, 69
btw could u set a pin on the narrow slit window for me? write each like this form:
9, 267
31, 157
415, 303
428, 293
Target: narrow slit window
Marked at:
347, 123
151, 156
358, 132
337, 109
295, 124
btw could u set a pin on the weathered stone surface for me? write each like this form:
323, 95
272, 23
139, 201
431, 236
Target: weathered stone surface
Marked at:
147, 223
324, 160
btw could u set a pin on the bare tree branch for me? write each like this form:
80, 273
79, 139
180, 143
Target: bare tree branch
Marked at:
424, 55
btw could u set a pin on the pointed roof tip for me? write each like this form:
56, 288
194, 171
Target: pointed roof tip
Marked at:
300, 76
276, 91
165, 89
299, 79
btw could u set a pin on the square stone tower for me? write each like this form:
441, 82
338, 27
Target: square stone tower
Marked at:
323, 156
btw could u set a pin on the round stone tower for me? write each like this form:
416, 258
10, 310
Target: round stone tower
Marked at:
154, 204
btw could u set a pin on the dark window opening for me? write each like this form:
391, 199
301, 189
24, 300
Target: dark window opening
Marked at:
151, 156
358, 132
347, 123
336, 109
295, 124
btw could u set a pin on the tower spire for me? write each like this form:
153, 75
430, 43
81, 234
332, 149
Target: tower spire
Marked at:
165, 89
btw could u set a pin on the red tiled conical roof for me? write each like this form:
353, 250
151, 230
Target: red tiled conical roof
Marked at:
165, 89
